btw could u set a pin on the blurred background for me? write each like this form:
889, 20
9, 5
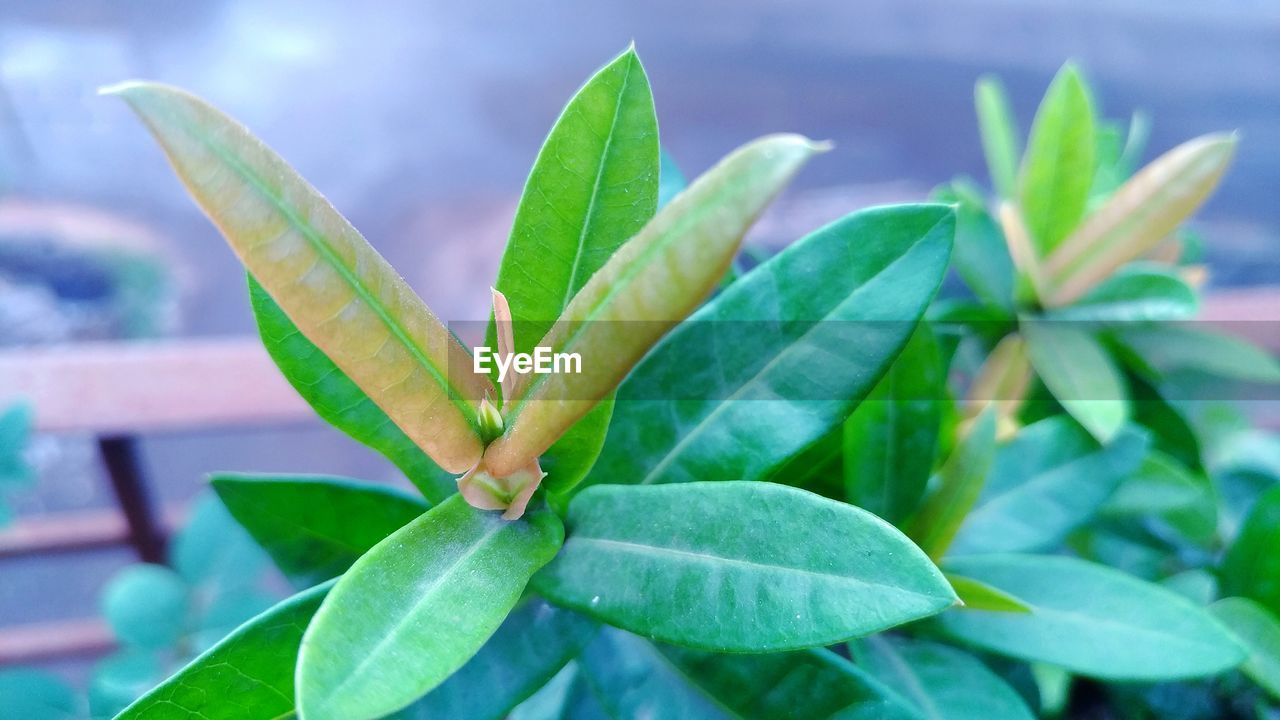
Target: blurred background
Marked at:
419, 121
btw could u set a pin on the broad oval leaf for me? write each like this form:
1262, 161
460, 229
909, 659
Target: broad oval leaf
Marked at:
738, 566
1251, 567
732, 395
1091, 620
1136, 293
654, 280
332, 284
999, 133
1050, 479
1143, 212
1058, 166
314, 527
338, 400
1259, 632
941, 682
1081, 375
416, 607
246, 676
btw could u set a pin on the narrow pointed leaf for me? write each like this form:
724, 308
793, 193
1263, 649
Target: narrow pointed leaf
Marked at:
1136, 293
731, 394
338, 400
891, 438
738, 566
959, 484
654, 280
977, 595
981, 254
941, 682
1172, 348
1259, 632
314, 527
246, 676
1058, 166
336, 288
1143, 212
1251, 568
1080, 374
1002, 381
999, 134
416, 607
1092, 620
1049, 480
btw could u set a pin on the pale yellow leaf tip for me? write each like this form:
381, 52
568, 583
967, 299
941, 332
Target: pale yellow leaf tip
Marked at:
121, 88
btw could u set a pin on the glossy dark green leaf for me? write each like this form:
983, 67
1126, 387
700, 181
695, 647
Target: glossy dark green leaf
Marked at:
1057, 168
941, 682
892, 436
999, 132
1251, 568
693, 410
314, 527
738, 566
1259, 632
627, 677
553, 701
146, 605
1135, 293
1051, 478
531, 646
416, 607
338, 400
1091, 620
1080, 374
246, 676
958, 487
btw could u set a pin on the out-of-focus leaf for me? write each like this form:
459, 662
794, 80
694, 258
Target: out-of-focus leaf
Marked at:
671, 181
416, 607
958, 487
1057, 168
1002, 382
1165, 349
1161, 488
731, 394
1197, 585
1135, 293
981, 256
1080, 374
653, 281
891, 437
999, 134
1251, 568
1029, 282
1048, 480
338, 400
146, 605
942, 683
36, 695
1259, 632
15, 432
1091, 620
976, 595
738, 566
246, 676
121, 678
1144, 211
332, 284
314, 527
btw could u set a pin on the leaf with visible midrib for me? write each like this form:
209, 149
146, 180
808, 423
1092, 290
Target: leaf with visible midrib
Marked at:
416, 607
738, 566
314, 527
1080, 374
248, 675
732, 394
1057, 169
336, 288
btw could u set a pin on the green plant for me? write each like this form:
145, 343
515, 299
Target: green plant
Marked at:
15, 470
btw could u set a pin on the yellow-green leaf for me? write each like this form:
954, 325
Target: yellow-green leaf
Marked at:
652, 282
999, 133
977, 595
332, 284
1057, 169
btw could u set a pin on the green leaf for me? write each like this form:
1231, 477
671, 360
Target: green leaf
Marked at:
653, 281
246, 676
958, 487
15, 433
1058, 166
1167, 349
1251, 568
977, 595
942, 683
1135, 293
692, 411
571, 457
1091, 620
892, 436
738, 566
35, 695
627, 677
1163, 489
333, 285
1259, 632
999, 133
530, 647
121, 678
981, 256
1050, 479
338, 400
1080, 374
314, 527
146, 605
416, 607
1142, 213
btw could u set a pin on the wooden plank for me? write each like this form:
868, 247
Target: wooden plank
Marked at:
125, 388
29, 644
74, 531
